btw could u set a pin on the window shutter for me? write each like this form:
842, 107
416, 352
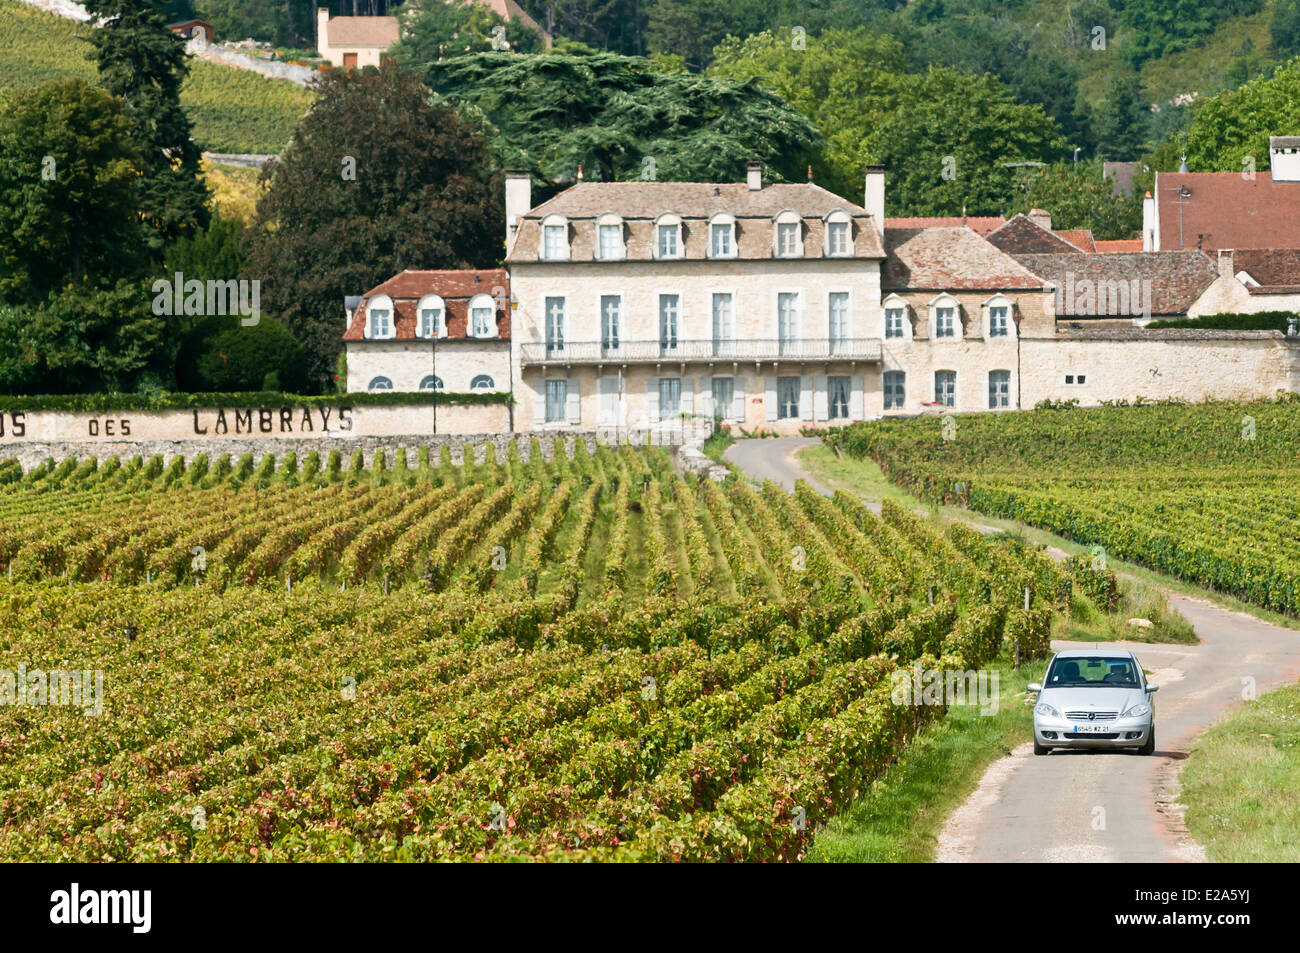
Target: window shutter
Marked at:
769, 402
855, 398
686, 404
574, 401
821, 409
806, 397
608, 394
706, 397
738, 398
539, 402
652, 400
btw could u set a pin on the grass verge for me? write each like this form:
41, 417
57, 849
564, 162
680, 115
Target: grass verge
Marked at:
899, 818
1240, 782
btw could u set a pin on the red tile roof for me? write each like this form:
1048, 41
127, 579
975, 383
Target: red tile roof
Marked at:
362, 31
456, 288
1080, 238
1022, 235
981, 225
949, 259
1106, 246
1177, 279
1225, 210
1273, 267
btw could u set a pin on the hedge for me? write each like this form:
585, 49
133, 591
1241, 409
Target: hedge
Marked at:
98, 403
1259, 321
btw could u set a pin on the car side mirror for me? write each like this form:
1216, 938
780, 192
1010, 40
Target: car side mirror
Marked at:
1034, 687
1152, 688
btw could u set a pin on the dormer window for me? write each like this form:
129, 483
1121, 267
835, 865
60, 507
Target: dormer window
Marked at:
555, 238
897, 325
946, 318
789, 235
379, 317
668, 237
722, 236
431, 317
482, 314
609, 238
998, 318
838, 235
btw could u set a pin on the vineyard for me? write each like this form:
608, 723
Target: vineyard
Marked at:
590, 657
1207, 493
231, 110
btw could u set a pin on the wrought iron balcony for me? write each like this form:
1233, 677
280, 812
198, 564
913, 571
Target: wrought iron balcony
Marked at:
654, 352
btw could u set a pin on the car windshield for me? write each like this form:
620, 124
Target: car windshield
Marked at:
1089, 671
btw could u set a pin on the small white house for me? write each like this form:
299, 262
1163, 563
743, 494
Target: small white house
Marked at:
354, 42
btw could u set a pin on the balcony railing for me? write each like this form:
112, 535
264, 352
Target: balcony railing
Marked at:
651, 352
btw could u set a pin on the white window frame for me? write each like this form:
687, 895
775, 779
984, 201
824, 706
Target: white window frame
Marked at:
558, 346
678, 325
376, 380
783, 380
544, 252
727, 223
381, 305
838, 218
437, 382
799, 315
727, 412
896, 302
1005, 396
603, 222
480, 302
725, 344
847, 336
901, 376
999, 301
431, 302
664, 413
848, 397
945, 301
672, 222
563, 418
781, 220
615, 341
953, 372
483, 382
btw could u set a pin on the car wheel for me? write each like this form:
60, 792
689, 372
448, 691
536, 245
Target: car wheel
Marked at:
1150, 746
1040, 749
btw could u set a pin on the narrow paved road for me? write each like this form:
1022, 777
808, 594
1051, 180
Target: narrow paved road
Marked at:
1101, 806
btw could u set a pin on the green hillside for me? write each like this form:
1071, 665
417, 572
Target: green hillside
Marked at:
232, 110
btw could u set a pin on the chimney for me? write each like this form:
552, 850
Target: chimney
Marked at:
322, 31
1150, 222
519, 199
1040, 217
1225, 263
754, 176
1284, 158
873, 195
350, 305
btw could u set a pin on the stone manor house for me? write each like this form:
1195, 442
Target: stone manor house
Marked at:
634, 306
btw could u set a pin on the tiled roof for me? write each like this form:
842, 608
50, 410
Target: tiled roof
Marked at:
456, 288
1225, 210
1080, 238
640, 203
362, 31
1022, 235
510, 10
949, 259
1271, 267
980, 224
1107, 246
1177, 278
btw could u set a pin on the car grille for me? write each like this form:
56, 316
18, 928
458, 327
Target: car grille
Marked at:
1098, 715
1090, 735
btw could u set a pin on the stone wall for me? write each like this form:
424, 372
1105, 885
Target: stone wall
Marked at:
407, 363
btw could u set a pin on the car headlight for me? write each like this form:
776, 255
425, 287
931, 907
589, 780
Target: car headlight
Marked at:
1137, 711
1047, 710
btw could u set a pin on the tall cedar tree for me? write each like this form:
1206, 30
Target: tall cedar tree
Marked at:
143, 63
376, 179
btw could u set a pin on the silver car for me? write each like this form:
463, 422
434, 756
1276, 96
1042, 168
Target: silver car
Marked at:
1094, 698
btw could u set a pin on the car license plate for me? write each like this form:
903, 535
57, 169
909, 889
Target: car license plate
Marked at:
1087, 729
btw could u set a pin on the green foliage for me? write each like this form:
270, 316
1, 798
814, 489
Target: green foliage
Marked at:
974, 122
844, 81
376, 180
1154, 28
612, 115
1257, 321
68, 173
1284, 30
223, 355
109, 402
143, 63
1078, 197
434, 29
1233, 125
